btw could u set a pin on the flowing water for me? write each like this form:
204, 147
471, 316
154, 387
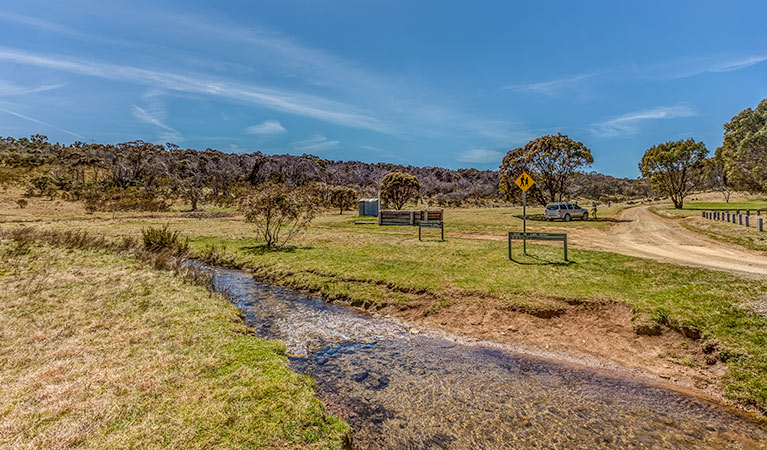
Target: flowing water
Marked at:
402, 390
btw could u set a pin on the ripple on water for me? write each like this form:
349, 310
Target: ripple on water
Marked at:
399, 390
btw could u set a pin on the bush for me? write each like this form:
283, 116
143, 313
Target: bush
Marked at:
279, 213
343, 197
397, 188
130, 199
163, 239
22, 202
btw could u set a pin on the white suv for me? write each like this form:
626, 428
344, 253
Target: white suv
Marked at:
565, 211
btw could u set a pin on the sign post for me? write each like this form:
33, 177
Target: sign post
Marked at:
524, 182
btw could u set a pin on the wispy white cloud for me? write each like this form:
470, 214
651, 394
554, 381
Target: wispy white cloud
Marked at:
266, 127
481, 156
10, 89
315, 144
738, 64
280, 100
629, 123
348, 90
550, 87
22, 116
697, 66
157, 117
410, 110
154, 113
57, 28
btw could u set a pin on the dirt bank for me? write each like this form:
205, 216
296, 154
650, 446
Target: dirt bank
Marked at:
598, 335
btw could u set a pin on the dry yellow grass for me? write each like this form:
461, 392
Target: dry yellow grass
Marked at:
97, 351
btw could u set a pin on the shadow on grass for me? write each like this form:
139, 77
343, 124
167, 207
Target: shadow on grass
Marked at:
263, 249
532, 260
542, 218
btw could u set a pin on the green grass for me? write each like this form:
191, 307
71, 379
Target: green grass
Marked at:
690, 218
385, 266
376, 266
749, 204
98, 351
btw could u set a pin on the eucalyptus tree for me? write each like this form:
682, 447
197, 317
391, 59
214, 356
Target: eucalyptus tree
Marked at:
674, 168
551, 160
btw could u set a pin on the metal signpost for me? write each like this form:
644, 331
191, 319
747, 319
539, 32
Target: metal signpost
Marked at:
524, 182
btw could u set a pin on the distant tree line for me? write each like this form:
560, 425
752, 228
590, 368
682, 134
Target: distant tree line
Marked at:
145, 176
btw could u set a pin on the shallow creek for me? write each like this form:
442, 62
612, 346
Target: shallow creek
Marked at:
403, 390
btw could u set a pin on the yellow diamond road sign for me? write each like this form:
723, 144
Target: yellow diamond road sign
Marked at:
524, 182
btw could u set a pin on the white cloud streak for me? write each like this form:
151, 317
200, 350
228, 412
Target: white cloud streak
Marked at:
22, 116
10, 89
481, 156
280, 100
628, 124
155, 114
738, 64
551, 87
267, 127
315, 144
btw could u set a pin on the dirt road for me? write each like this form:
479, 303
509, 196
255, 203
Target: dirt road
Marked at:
644, 234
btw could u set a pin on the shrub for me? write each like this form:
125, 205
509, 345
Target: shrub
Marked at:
279, 213
22, 202
163, 239
343, 197
130, 199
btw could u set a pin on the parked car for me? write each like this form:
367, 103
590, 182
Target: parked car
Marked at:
565, 211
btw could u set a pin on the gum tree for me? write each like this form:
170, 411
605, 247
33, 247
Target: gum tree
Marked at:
397, 188
551, 161
744, 150
343, 198
674, 168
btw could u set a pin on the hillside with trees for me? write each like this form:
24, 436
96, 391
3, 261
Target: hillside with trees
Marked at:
145, 176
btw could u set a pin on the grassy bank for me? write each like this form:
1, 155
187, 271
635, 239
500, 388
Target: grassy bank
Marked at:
98, 351
690, 218
387, 266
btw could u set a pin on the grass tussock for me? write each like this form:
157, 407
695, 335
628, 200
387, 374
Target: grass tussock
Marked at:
100, 351
163, 239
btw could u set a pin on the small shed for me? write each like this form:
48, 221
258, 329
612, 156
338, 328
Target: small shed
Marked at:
368, 207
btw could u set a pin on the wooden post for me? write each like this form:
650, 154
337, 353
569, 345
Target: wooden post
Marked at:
748, 220
740, 219
760, 224
509, 237
380, 213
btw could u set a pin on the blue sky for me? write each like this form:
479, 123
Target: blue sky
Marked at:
452, 84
